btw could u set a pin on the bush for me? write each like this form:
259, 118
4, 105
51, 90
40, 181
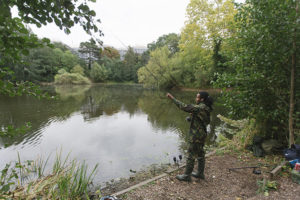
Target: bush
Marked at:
62, 71
71, 78
78, 69
242, 132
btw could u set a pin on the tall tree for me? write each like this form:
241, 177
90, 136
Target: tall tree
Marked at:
159, 72
131, 65
292, 87
98, 73
170, 40
91, 51
204, 40
267, 34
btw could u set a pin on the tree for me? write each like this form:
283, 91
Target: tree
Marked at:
15, 38
66, 59
110, 52
264, 57
115, 68
91, 51
159, 72
98, 73
171, 41
204, 40
131, 65
41, 64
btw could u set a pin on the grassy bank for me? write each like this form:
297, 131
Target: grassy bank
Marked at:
68, 179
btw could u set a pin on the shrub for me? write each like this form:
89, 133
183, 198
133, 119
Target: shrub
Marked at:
71, 78
62, 71
78, 69
242, 132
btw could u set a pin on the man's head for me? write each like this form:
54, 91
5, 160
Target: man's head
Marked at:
205, 98
198, 98
201, 97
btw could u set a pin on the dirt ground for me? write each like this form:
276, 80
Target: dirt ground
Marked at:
220, 183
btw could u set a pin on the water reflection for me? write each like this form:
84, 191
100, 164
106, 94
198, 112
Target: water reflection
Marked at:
120, 127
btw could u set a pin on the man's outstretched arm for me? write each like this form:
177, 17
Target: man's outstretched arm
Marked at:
185, 107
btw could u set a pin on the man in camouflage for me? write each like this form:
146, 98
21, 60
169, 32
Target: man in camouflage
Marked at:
200, 118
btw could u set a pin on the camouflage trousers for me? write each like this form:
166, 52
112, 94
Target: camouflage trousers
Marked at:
196, 151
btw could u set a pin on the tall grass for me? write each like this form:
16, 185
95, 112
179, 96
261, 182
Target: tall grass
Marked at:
68, 179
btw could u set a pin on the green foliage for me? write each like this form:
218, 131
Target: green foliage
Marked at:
131, 65
265, 186
68, 180
260, 64
115, 68
65, 59
43, 63
171, 41
158, 72
61, 71
110, 52
9, 176
71, 79
12, 89
98, 73
241, 132
204, 41
11, 131
78, 69
15, 39
91, 50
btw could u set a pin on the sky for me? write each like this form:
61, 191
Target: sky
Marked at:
126, 23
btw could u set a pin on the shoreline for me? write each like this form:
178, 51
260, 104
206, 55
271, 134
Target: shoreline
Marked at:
221, 183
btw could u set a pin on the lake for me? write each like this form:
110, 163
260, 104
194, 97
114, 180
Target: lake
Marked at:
121, 127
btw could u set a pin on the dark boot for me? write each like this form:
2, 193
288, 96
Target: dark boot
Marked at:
188, 170
200, 172
184, 177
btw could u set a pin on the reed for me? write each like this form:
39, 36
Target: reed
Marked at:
68, 179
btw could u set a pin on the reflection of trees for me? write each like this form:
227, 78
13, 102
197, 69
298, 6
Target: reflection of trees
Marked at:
163, 114
39, 112
92, 103
110, 100
72, 91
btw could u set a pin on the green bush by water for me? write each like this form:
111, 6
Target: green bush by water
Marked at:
71, 79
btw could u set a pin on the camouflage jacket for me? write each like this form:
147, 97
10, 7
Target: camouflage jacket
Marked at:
200, 115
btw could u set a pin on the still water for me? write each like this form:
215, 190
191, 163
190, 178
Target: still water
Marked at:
121, 127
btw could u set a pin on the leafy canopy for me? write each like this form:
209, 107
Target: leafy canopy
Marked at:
15, 38
261, 64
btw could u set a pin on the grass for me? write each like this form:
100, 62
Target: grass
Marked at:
68, 179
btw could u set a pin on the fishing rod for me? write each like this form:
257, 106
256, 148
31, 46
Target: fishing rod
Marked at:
255, 170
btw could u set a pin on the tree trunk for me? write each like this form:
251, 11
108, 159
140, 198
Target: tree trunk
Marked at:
292, 89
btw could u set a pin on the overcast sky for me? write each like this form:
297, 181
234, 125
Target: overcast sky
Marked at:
126, 22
